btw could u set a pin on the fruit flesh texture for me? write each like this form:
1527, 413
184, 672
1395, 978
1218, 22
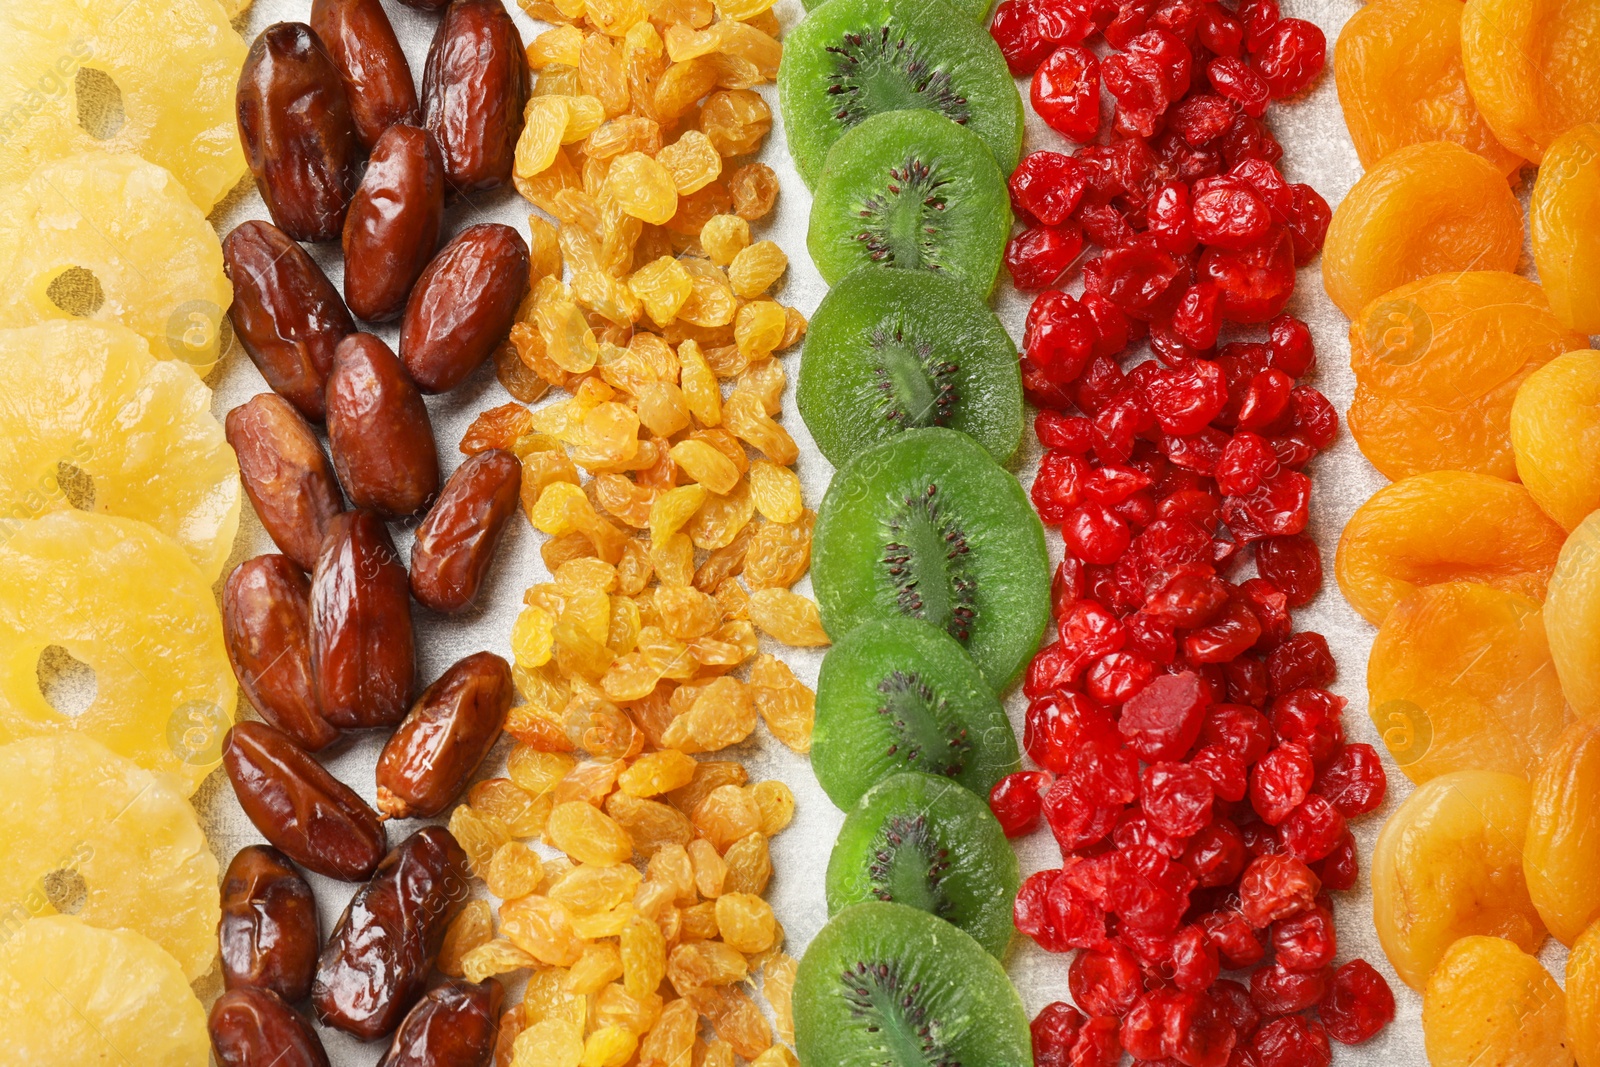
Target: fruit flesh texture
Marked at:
1437, 364
152, 78
958, 991
89, 395
71, 995
155, 260
1447, 526
1583, 998
925, 822
1448, 864
1530, 66
1490, 1004
943, 40
1460, 678
1562, 852
1572, 618
1555, 434
897, 694
878, 347
125, 600
1401, 82
1564, 220
978, 9
1423, 209
1007, 564
70, 805
885, 173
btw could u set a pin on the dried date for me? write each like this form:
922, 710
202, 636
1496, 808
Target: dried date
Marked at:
255, 1028
456, 542
455, 1025
378, 430
266, 624
463, 305
363, 652
268, 933
474, 88
393, 226
377, 79
455, 723
286, 475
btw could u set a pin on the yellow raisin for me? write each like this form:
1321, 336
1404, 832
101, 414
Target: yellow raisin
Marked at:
749, 865
497, 956
642, 187
542, 928
644, 957
650, 824
756, 269
692, 160
777, 984
776, 802
598, 966
610, 1046
729, 814
789, 617
663, 286
588, 834
474, 926
746, 922
515, 871
754, 188
615, 1006
590, 890
705, 963
758, 329
551, 1043
724, 237
736, 120
723, 714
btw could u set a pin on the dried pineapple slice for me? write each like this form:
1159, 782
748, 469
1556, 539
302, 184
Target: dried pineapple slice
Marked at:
87, 831
71, 995
152, 78
116, 239
86, 400
124, 599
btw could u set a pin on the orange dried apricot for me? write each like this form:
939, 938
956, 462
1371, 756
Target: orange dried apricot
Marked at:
1460, 678
1572, 618
1583, 998
1489, 1002
1401, 81
1531, 67
1423, 209
1437, 364
1555, 435
1561, 857
1447, 526
1564, 218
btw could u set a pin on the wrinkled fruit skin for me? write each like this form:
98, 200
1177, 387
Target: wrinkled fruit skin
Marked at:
473, 91
1488, 1001
1527, 67
363, 653
1562, 221
1563, 845
286, 475
377, 80
307, 813
254, 1028
285, 311
1583, 997
266, 623
298, 134
268, 934
456, 1023
376, 962
378, 430
1571, 611
456, 721
463, 306
393, 225
1555, 422
457, 540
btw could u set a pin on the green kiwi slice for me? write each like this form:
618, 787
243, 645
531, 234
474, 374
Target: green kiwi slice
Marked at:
927, 525
928, 843
898, 694
851, 59
884, 985
895, 350
976, 9
909, 190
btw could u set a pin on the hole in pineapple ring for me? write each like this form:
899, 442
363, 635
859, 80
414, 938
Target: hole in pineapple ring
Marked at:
76, 291
68, 684
100, 110
76, 484
66, 891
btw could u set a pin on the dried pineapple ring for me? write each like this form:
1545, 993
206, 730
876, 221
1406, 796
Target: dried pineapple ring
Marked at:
116, 239
154, 78
83, 826
88, 395
71, 994
124, 599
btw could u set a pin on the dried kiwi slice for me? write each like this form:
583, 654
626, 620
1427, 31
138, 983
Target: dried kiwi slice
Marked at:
897, 694
911, 191
895, 350
977, 9
852, 59
884, 985
926, 842
927, 525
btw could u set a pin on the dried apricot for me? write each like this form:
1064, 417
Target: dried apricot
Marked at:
1447, 526
1490, 1003
1448, 864
1562, 855
1530, 66
1572, 618
1564, 217
1583, 998
1437, 364
1423, 209
1555, 434
1460, 678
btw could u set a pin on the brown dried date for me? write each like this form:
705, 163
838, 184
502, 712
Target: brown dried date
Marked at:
474, 88
377, 79
297, 132
286, 312
363, 652
455, 1025
266, 623
255, 1028
286, 475
393, 225
456, 542
312, 817
463, 305
455, 723
375, 966
378, 430
268, 933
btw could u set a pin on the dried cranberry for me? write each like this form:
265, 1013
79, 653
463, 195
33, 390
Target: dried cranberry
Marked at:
1313, 417
1359, 1003
1116, 678
1279, 507
1231, 78
1066, 586
1047, 186
1134, 82
1276, 887
1094, 534
1291, 1042
1185, 399
1233, 1000
1292, 350
1098, 1043
1016, 801
1256, 282
1066, 92
1265, 400
1164, 719
1105, 981
1135, 828
1055, 916
1220, 32
1289, 56
1354, 781
1016, 30
1306, 942
1215, 855
1341, 868
1075, 822
1312, 830
1168, 218
1058, 486
1137, 277
1229, 213
1058, 725
1055, 1029
1300, 662
1070, 433
1194, 960
1177, 798
1040, 255
1280, 782
1308, 223
1112, 328
1293, 565
1241, 731
1237, 944
1276, 990
1234, 630
1311, 719
1228, 775
1246, 463
1058, 338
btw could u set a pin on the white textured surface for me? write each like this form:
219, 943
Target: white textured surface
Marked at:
1317, 150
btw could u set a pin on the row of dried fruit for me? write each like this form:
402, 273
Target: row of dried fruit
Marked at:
1471, 380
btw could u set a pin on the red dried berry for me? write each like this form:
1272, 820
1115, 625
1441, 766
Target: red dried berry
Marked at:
1306, 942
1302, 661
1256, 282
1289, 56
1163, 721
1016, 801
1047, 186
1177, 798
1094, 534
1066, 92
1037, 257
1280, 782
1276, 990
1276, 887
1215, 854
1359, 1003
1016, 30
1237, 944
1354, 780
1106, 981
1293, 565
1055, 1030
1291, 1042
1058, 338
1312, 830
